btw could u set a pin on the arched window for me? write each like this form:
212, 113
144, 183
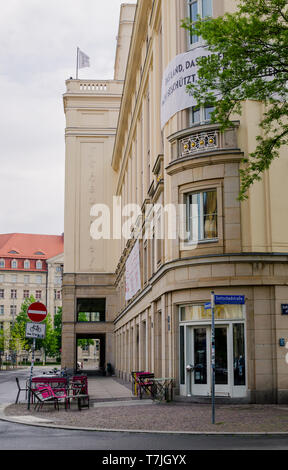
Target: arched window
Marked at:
38, 264
2, 263
14, 264
26, 264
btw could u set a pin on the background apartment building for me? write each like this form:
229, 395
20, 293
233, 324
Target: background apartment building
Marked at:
162, 325
30, 264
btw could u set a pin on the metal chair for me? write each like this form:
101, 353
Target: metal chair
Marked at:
20, 389
46, 394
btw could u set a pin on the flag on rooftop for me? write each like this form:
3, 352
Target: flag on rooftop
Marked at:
83, 60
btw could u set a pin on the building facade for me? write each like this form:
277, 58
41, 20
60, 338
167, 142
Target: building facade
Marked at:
30, 264
161, 279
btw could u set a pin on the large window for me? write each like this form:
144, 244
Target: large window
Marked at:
202, 8
91, 310
2, 263
200, 114
201, 216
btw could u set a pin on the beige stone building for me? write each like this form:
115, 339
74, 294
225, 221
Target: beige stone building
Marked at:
145, 296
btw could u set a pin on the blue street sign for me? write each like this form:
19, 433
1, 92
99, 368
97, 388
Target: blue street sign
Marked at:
229, 299
207, 305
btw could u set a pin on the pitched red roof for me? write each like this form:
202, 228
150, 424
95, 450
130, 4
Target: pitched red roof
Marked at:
30, 245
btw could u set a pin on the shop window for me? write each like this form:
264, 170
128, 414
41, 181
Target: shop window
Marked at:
182, 355
239, 354
202, 8
201, 216
91, 310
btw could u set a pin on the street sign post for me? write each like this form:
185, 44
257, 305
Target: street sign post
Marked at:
213, 357
218, 300
36, 312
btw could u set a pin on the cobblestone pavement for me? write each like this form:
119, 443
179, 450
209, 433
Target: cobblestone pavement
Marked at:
163, 417
113, 407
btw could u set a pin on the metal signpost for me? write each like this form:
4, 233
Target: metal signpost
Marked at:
218, 300
36, 312
213, 357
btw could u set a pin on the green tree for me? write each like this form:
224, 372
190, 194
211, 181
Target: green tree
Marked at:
58, 329
83, 343
249, 61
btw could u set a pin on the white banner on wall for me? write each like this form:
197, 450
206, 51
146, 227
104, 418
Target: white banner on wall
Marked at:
181, 71
133, 276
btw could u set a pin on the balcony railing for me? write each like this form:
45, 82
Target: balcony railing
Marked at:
199, 142
94, 86
203, 139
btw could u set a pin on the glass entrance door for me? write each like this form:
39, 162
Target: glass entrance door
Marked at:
201, 360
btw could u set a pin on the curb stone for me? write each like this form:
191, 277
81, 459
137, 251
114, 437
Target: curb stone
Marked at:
41, 422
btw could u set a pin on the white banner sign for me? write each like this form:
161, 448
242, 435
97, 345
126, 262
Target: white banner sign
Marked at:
133, 276
181, 71
35, 330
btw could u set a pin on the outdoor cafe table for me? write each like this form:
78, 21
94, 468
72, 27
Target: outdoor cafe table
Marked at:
162, 388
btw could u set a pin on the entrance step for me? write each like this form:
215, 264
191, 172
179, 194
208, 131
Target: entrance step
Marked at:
220, 400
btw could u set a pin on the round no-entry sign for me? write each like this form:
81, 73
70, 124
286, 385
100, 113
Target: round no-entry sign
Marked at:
37, 312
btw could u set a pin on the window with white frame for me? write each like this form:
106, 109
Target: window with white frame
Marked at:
38, 294
2, 263
200, 114
14, 278
13, 293
25, 293
202, 8
26, 264
14, 264
38, 279
13, 309
1, 309
38, 264
2, 277
201, 216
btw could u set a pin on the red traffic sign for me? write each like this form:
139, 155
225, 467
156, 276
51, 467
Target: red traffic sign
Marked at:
37, 312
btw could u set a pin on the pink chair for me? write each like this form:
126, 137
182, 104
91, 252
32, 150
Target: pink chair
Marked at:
46, 394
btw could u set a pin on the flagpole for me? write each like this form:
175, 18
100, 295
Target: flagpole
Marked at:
77, 63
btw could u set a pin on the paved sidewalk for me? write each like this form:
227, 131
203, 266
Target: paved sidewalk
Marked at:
113, 407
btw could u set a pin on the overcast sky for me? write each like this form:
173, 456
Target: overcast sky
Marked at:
38, 43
